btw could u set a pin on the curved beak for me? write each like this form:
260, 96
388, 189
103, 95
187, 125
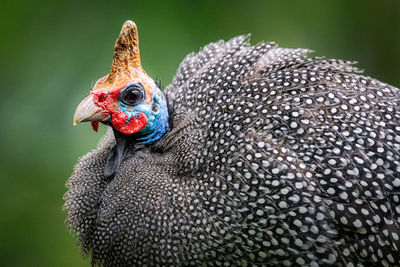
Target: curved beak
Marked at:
88, 111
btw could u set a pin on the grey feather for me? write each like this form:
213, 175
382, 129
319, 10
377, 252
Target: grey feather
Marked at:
273, 159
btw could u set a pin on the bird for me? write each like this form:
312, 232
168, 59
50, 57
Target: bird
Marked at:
252, 156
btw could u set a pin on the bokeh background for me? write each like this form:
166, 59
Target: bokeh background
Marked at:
51, 53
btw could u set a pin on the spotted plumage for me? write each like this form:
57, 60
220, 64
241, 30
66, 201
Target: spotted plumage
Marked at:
271, 158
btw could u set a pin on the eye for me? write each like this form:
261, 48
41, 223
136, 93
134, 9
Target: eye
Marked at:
133, 94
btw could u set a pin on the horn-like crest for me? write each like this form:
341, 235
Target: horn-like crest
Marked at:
126, 50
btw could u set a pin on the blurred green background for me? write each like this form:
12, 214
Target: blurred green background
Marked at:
52, 52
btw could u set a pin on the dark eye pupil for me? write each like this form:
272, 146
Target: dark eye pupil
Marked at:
132, 95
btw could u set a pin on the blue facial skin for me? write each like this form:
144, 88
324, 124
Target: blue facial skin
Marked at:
157, 119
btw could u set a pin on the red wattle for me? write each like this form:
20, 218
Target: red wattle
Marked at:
95, 125
134, 125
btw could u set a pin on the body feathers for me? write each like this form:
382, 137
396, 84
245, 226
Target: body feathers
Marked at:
272, 158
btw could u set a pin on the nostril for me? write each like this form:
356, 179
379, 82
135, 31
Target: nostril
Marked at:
101, 96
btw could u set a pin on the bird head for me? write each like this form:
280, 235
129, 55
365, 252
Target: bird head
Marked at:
127, 99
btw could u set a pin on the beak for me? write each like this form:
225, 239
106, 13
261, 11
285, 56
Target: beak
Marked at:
88, 111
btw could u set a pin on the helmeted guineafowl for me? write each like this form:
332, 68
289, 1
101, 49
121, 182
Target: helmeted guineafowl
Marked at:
253, 156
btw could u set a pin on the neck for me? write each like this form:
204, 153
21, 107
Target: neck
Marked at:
126, 145
121, 149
